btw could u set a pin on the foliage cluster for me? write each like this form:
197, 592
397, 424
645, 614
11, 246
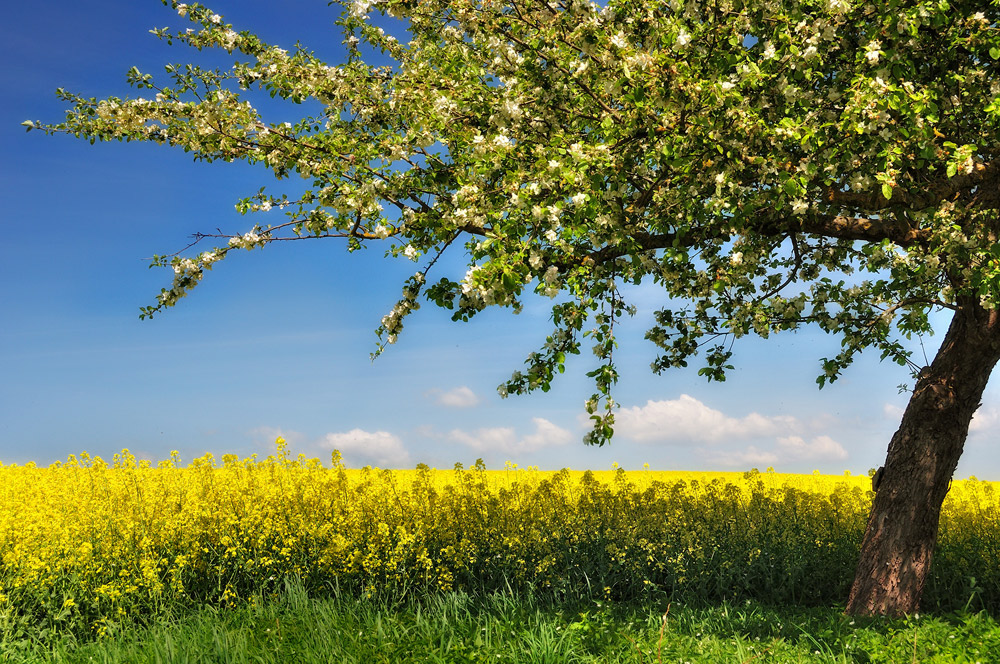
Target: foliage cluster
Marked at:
86, 543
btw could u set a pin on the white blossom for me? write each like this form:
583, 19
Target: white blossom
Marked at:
872, 51
248, 240
551, 279
228, 40
641, 61
360, 8
512, 109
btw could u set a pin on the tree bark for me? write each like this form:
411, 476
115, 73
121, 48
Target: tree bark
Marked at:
902, 528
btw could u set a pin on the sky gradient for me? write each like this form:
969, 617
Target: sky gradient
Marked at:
277, 342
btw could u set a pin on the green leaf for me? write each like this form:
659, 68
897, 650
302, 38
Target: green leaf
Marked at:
952, 169
995, 53
887, 191
792, 187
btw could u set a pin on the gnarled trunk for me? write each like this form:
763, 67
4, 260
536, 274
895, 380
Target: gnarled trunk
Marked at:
902, 529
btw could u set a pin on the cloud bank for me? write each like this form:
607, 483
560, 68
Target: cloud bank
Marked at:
686, 420
505, 439
361, 448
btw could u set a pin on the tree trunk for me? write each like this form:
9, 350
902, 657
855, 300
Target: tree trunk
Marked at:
902, 529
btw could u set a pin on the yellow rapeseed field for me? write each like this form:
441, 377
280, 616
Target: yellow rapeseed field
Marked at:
86, 543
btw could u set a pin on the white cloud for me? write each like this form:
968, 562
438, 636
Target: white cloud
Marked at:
495, 438
505, 439
788, 449
359, 447
546, 435
891, 412
460, 397
751, 456
984, 420
688, 421
821, 447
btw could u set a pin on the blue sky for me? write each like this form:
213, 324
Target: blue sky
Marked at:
278, 341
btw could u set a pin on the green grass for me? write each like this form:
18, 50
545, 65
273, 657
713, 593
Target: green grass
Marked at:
506, 629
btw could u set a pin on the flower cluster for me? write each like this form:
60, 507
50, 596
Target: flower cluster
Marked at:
392, 322
86, 541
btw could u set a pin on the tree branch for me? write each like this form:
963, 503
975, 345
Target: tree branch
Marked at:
934, 192
840, 227
844, 227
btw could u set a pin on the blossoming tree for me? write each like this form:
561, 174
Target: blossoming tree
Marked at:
769, 164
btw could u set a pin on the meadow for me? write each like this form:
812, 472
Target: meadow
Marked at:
94, 552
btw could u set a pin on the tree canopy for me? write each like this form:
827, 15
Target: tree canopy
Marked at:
769, 164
